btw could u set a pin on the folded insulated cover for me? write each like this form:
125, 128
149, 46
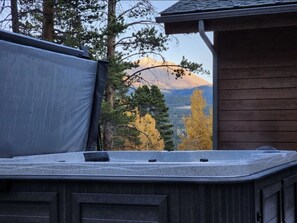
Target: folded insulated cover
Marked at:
46, 100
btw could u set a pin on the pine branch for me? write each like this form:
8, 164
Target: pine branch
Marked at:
124, 38
127, 11
149, 68
6, 19
142, 54
141, 22
3, 7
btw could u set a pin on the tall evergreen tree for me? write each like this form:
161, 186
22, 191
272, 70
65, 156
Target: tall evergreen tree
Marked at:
68, 22
129, 32
14, 16
151, 101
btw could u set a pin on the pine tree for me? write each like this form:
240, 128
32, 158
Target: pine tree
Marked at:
198, 125
128, 33
151, 101
14, 16
68, 22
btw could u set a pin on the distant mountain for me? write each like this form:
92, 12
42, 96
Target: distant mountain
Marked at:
162, 77
177, 93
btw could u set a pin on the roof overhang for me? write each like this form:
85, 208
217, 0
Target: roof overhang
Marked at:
269, 16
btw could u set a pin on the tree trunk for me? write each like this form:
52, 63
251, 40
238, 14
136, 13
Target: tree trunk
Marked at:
110, 94
48, 20
14, 16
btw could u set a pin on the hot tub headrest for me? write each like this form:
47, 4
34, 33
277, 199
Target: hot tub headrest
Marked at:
50, 97
98, 156
269, 149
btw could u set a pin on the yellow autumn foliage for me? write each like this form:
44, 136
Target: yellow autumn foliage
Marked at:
198, 126
149, 136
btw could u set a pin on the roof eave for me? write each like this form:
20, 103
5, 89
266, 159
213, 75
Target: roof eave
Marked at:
195, 16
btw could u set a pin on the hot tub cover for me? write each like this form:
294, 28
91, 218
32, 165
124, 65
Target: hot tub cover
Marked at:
47, 99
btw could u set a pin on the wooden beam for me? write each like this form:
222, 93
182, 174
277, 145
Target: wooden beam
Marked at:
181, 27
252, 22
238, 23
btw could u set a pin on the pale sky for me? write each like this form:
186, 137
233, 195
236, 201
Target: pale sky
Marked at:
190, 45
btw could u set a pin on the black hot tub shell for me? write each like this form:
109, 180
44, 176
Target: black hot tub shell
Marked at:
46, 90
65, 188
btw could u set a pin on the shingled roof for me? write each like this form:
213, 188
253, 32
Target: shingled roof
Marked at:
183, 16
192, 6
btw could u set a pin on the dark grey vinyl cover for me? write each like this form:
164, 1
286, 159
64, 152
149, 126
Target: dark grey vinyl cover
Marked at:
46, 100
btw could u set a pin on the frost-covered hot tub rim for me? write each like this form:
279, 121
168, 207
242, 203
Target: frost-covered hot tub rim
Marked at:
73, 164
159, 156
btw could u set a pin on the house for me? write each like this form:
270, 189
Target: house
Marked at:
50, 97
255, 67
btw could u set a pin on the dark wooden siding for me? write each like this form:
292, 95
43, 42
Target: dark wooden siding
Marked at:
104, 202
257, 88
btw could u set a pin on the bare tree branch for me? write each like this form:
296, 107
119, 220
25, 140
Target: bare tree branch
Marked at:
141, 22
6, 19
2, 6
127, 11
142, 132
142, 54
120, 40
35, 10
168, 66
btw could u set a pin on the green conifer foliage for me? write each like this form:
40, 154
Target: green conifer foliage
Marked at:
151, 101
68, 22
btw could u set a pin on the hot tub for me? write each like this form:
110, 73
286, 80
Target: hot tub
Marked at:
192, 164
176, 187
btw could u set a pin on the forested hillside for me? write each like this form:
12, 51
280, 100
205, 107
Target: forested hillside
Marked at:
177, 92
